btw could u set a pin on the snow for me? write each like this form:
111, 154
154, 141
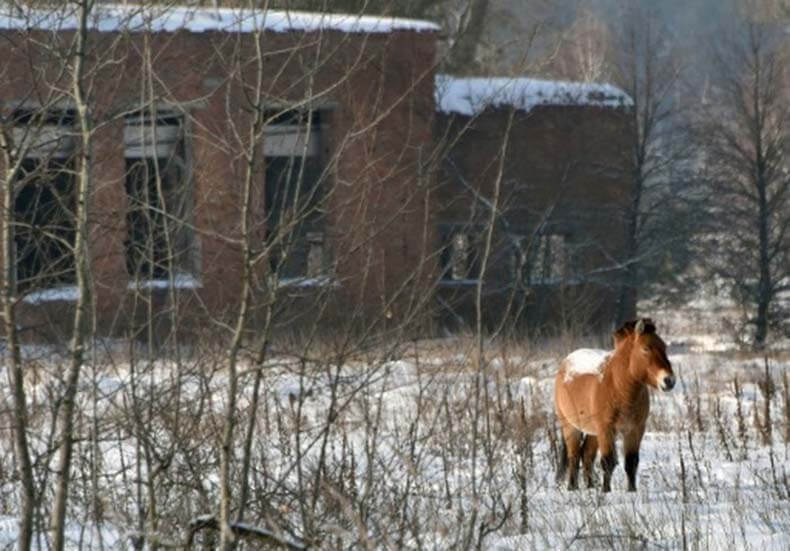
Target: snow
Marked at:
77, 536
71, 293
471, 96
66, 293
180, 281
585, 361
406, 419
319, 281
151, 18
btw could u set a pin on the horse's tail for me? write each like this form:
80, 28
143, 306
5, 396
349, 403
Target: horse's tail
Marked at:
562, 461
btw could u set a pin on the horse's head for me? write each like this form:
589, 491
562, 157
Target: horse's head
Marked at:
649, 361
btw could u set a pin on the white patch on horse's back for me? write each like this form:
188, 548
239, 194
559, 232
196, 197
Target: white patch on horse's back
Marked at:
585, 361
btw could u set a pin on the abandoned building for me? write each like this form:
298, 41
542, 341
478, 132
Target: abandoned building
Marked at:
552, 160
345, 104
370, 180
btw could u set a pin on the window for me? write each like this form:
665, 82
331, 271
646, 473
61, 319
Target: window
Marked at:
460, 259
540, 259
45, 199
160, 243
293, 194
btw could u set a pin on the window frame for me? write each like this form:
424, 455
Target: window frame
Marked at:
535, 260
470, 275
163, 168
44, 222
295, 169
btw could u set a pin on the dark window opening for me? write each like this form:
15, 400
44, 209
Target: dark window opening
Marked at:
159, 242
44, 198
151, 188
541, 259
44, 224
32, 117
293, 195
293, 117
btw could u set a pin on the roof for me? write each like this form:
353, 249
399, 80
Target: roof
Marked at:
152, 18
471, 96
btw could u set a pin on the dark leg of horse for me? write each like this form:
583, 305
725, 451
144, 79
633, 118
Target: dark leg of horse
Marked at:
631, 444
631, 464
573, 438
589, 451
608, 458
562, 464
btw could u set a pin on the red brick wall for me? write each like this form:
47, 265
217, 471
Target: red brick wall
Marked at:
566, 166
379, 89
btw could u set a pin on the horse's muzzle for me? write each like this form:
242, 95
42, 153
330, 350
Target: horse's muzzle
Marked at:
667, 383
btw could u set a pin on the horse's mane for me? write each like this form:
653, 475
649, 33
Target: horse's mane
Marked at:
627, 329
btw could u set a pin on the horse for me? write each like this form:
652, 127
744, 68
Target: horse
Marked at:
598, 394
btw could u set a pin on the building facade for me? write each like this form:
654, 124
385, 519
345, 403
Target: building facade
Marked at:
551, 160
324, 118
320, 153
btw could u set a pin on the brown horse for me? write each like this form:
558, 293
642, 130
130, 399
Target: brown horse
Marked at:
598, 394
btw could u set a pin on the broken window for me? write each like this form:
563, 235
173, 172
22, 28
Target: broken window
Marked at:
541, 259
460, 258
45, 199
160, 243
293, 194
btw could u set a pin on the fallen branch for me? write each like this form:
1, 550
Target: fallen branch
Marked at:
242, 530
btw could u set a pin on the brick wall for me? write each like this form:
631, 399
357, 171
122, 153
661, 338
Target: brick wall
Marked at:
376, 96
565, 171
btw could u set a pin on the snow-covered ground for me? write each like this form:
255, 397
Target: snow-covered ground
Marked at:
414, 459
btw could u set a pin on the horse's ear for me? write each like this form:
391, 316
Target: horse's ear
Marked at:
640, 327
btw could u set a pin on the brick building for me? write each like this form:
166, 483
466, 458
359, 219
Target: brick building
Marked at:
350, 217
559, 153
347, 107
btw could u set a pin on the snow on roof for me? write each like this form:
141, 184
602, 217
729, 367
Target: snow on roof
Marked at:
152, 18
471, 96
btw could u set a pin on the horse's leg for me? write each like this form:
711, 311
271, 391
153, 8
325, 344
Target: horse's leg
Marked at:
631, 443
589, 451
608, 457
572, 437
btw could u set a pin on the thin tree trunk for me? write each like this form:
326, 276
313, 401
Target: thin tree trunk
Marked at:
481, 381
226, 452
630, 279
764, 285
14, 365
761, 79
81, 262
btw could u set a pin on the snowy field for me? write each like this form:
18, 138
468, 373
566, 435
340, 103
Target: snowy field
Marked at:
423, 447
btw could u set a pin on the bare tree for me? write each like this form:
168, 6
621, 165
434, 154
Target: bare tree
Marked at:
38, 243
585, 53
14, 367
746, 130
648, 69
82, 324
